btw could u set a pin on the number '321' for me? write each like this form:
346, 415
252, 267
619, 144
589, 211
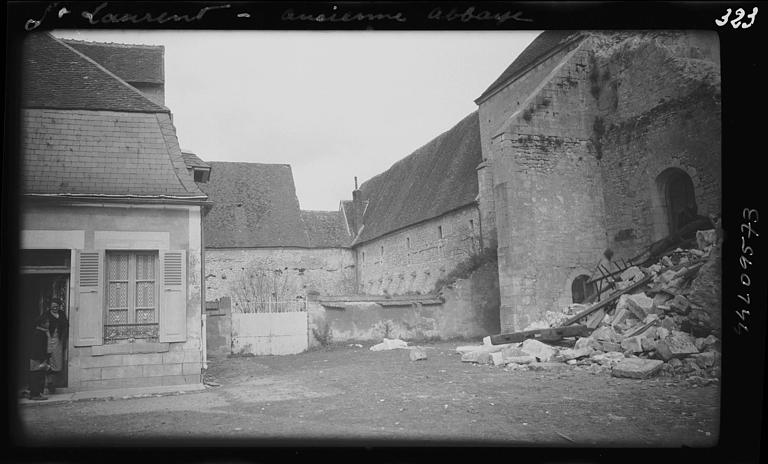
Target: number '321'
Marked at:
736, 21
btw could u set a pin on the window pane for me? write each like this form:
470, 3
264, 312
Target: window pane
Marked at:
145, 316
145, 267
117, 266
145, 294
117, 316
118, 295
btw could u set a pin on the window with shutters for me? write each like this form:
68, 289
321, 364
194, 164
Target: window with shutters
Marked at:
131, 297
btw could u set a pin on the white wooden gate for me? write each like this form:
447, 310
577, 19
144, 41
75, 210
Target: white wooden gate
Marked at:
280, 329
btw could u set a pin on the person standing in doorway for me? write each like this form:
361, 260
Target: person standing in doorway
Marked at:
57, 340
38, 358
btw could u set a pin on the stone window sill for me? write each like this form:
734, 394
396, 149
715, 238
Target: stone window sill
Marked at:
129, 348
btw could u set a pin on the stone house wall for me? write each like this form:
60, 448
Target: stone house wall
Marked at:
93, 227
413, 259
327, 271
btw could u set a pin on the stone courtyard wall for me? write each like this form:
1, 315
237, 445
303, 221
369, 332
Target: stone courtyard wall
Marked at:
413, 259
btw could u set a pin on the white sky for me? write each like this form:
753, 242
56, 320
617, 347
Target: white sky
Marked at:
333, 105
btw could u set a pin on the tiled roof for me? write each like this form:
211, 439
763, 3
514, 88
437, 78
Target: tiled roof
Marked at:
56, 76
192, 160
132, 63
254, 205
541, 45
103, 153
433, 180
325, 228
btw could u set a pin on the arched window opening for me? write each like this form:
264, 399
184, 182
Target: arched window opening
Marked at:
581, 291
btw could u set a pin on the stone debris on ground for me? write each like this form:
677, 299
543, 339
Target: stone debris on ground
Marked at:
668, 326
389, 344
417, 353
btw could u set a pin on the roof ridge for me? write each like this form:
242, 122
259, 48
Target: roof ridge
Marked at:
249, 163
164, 108
113, 44
414, 152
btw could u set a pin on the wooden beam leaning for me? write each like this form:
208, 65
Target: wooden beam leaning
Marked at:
551, 335
615, 296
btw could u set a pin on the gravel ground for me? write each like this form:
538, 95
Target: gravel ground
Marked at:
351, 393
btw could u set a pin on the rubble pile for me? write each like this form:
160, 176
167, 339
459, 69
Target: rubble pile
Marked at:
658, 328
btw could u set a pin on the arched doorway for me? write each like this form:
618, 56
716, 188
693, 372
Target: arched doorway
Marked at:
680, 200
674, 203
581, 291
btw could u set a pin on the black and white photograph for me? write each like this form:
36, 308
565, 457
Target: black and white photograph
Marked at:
486, 230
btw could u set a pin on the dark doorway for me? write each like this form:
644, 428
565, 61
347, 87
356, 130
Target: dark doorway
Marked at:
44, 276
681, 200
581, 291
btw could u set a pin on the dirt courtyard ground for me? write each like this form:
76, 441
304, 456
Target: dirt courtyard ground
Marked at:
351, 393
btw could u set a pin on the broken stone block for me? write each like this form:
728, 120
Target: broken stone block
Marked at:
479, 357
690, 365
587, 342
676, 345
660, 300
661, 333
620, 314
639, 304
706, 238
636, 368
654, 269
609, 346
607, 358
571, 362
573, 354
606, 334
649, 344
710, 343
520, 359
666, 261
632, 274
705, 360
486, 348
633, 344
497, 358
679, 304
487, 341
389, 344
541, 351
675, 363
669, 323
417, 354
512, 351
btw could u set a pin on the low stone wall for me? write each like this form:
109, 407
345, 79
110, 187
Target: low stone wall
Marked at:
469, 309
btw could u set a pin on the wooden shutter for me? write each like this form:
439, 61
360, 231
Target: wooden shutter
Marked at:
90, 285
173, 296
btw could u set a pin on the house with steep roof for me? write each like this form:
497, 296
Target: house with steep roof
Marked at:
111, 220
